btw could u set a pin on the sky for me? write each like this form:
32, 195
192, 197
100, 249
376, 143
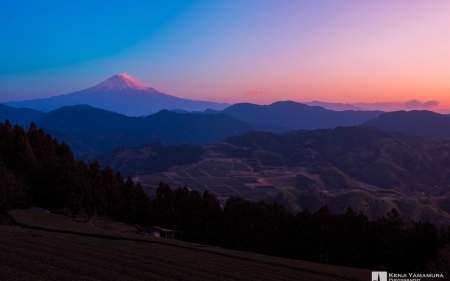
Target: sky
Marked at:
258, 51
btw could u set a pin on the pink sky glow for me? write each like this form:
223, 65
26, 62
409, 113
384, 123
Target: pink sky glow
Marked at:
257, 51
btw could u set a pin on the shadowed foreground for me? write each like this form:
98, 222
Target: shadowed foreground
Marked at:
52, 253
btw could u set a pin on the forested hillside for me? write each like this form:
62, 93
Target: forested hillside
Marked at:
37, 170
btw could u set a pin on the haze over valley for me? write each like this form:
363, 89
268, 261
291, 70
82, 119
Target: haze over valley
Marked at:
258, 152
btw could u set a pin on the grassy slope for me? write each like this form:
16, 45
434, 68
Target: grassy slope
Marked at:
94, 254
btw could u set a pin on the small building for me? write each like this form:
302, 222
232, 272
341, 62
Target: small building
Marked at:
157, 231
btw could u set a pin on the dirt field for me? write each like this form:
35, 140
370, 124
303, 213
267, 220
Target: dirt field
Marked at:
63, 249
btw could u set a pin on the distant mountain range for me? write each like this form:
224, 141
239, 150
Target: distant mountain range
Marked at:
334, 106
119, 94
92, 131
288, 115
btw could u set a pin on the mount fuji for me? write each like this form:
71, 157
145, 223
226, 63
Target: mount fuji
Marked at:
120, 94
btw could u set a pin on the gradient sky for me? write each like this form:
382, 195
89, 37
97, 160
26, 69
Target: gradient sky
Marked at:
231, 51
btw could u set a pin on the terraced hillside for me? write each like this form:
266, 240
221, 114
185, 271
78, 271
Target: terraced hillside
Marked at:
221, 177
63, 249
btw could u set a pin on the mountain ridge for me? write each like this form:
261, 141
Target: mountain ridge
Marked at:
290, 115
104, 130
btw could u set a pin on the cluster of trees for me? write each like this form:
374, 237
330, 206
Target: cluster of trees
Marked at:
37, 170
348, 239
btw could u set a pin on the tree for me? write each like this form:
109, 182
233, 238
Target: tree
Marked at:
238, 226
181, 207
11, 189
96, 182
114, 197
137, 204
163, 210
211, 215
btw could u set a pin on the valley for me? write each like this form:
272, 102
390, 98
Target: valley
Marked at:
249, 179
362, 167
223, 177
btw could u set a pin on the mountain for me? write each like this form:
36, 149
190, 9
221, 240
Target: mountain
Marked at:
120, 94
103, 130
414, 122
334, 106
22, 116
288, 115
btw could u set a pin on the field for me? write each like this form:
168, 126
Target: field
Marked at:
223, 177
249, 179
62, 249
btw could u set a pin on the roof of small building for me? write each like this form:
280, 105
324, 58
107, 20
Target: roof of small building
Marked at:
155, 228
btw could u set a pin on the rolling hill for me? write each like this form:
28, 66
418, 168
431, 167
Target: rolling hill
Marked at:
22, 116
414, 123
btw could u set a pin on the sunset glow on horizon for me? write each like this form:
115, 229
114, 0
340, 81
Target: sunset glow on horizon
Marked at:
232, 51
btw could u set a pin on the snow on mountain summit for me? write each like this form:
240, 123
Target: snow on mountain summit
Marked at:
119, 82
122, 94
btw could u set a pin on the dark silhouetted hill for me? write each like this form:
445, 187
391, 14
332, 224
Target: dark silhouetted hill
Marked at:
103, 130
22, 116
414, 122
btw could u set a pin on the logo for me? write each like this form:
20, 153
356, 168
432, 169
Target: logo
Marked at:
379, 276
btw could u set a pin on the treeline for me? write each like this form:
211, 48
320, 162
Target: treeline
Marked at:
348, 239
35, 169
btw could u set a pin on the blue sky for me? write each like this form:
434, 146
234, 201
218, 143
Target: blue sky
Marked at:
336, 51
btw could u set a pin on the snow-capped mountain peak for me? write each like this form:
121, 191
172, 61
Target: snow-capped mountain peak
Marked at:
119, 82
